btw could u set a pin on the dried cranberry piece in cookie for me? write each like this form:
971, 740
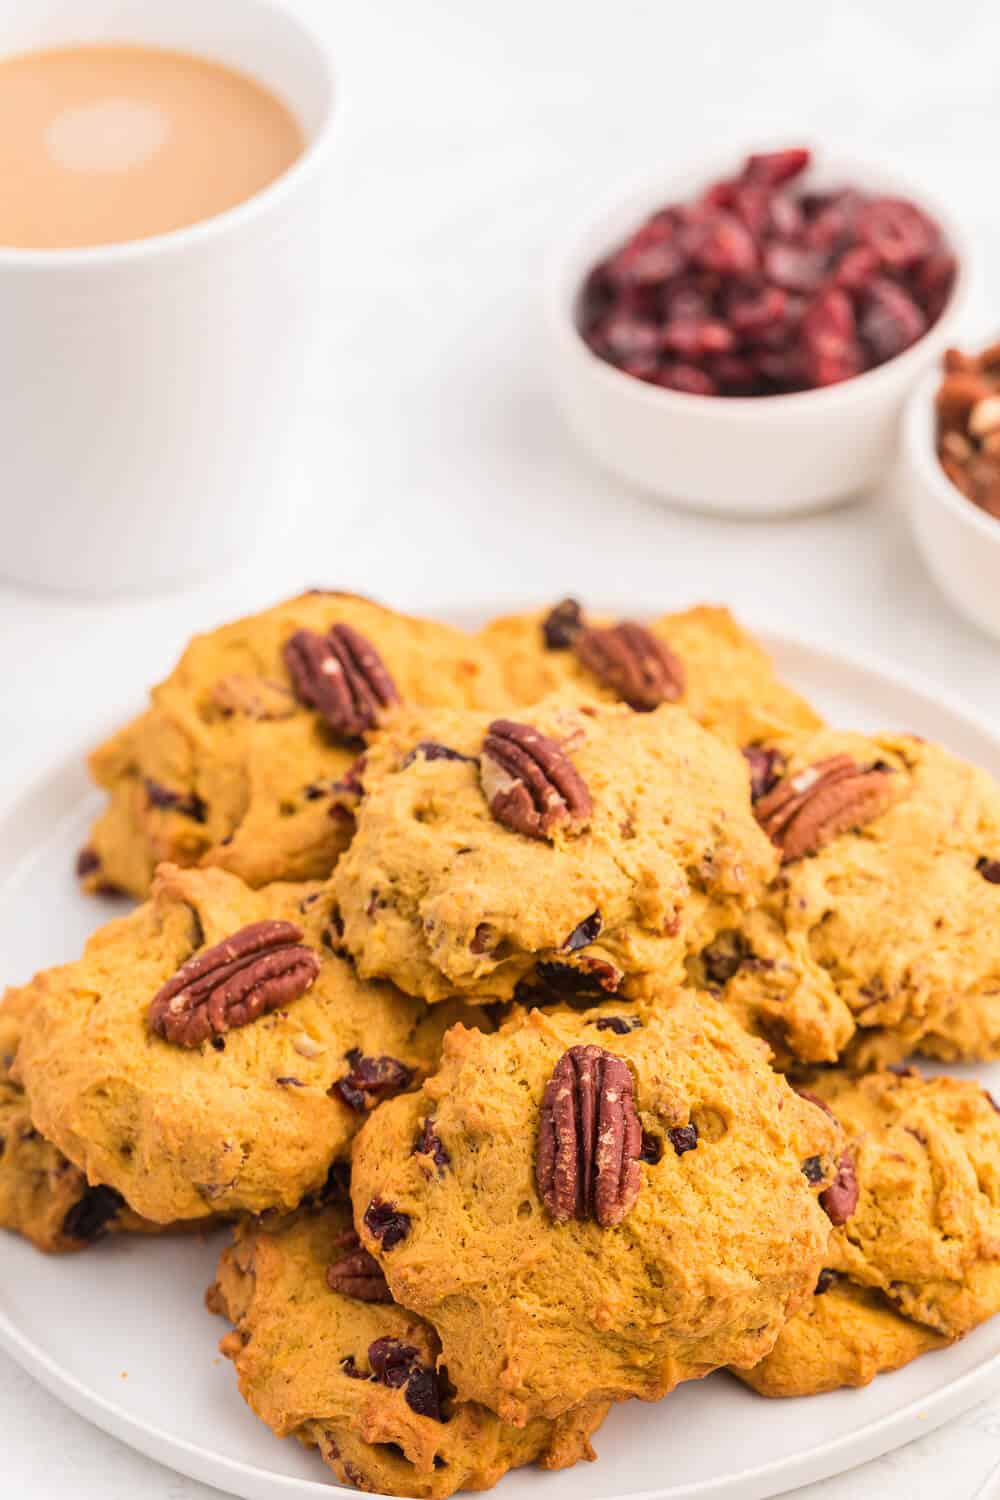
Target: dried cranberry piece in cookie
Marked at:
386, 1223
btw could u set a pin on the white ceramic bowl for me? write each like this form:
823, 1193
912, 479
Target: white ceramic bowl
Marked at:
959, 542
742, 456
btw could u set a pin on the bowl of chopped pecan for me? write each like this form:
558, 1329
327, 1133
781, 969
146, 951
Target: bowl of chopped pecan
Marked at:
740, 335
951, 466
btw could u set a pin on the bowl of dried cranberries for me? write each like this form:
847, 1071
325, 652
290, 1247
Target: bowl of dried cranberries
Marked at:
741, 336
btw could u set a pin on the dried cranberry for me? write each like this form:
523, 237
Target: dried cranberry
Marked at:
686, 378
562, 625
87, 861
370, 1080
989, 869
896, 230
890, 321
90, 1216
429, 1143
774, 167
766, 768
684, 1138
724, 957
812, 1169
423, 1393
587, 931
794, 267
620, 1025
590, 976
651, 1150
392, 1361
386, 1223
189, 804
431, 750
825, 1281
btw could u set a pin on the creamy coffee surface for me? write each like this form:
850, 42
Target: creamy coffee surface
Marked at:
108, 143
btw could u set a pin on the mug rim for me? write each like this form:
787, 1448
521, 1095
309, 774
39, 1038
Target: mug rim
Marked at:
191, 236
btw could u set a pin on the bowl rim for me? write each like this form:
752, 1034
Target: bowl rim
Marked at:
564, 278
918, 440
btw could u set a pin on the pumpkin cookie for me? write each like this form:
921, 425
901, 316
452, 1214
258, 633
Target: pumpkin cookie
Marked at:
42, 1195
577, 853
917, 1263
881, 935
600, 1205
700, 657
208, 1054
236, 760
325, 1355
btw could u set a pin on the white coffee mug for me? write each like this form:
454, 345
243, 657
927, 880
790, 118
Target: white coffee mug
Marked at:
149, 391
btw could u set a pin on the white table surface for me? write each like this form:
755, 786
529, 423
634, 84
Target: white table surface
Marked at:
437, 469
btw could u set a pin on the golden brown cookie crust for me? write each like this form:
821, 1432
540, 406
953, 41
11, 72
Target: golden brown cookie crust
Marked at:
186, 1133
443, 898
723, 1242
845, 1337
731, 686
226, 767
917, 1264
42, 1195
292, 1337
887, 940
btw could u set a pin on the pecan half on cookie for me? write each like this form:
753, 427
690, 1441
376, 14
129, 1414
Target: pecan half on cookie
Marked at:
530, 783
589, 1138
254, 971
633, 662
810, 807
342, 676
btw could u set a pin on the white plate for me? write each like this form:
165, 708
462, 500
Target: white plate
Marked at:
119, 1332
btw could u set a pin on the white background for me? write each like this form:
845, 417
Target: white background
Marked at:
436, 468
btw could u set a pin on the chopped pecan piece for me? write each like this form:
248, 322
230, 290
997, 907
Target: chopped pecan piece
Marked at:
589, 1139
810, 807
840, 1199
342, 676
530, 783
562, 625
814, 1099
256, 970
631, 661
256, 697
357, 1274
370, 1080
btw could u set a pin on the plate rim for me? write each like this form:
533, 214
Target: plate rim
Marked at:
838, 1455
